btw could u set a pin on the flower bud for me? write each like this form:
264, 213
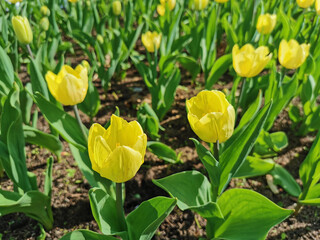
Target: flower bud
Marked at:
171, 3
70, 86
151, 40
198, 4
45, 11
44, 23
305, 3
118, 152
291, 54
161, 9
221, 1
266, 23
22, 29
211, 116
116, 8
249, 62
100, 39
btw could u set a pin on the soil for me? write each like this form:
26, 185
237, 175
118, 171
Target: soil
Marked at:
70, 203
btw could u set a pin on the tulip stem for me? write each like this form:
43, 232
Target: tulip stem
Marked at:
216, 150
119, 205
76, 112
29, 51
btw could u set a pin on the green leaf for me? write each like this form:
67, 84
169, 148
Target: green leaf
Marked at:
37, 80
233, 157
220, 66
191, 188
247, 215
190, 64
209, 210
91, 103
48, 141
33, 203
66, 125
162, 151
283, 178
48, 178
312, 202
254, 166
86, 235
144, 220
6, 72
104, 211
26, 103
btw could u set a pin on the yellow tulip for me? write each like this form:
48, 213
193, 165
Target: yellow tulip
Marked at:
171, 3
305, 3
291, 54
22, 29
116, 8
161, 9
221, 1
70, 85
198, 4
211, 116
151, 40
318, 6
118, 152
249, 62
266, 23
73, 1
15, 1
45, 11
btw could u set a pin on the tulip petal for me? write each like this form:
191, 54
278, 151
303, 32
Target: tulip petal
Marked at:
101, 153
95, 131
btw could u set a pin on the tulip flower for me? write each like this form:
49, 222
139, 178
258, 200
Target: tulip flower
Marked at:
318, 6
151, 40
118, 152
45, 11
198, 4
305, 3
249, 62
15, 1
116, 8
266, 23
22, 29
221, 1
291, 54
44, 23
73, 1
161, 9
70, 85
211, 116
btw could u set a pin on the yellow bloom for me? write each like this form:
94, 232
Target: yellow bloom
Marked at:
73, 1
305, 3
70, 85
318, 6
266, 23
171, 3
118, 152
116, 8
211, 116
22, 29
161, 9
249, 62
221, 1
198, 4
45, 11
151, 40
15, 1
291, 54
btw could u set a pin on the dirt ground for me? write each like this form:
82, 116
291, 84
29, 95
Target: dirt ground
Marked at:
71, 208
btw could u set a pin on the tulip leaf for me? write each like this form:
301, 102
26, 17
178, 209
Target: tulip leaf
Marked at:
233, 157
6, 72
247, 215
91, 103
26, 103
254, 166
312, 202
66, 125
191, 188
37, 137
104, 211
37, 80
314, 192
86, 235
162, 151
144, 220
33, 203
94, 178
283, 178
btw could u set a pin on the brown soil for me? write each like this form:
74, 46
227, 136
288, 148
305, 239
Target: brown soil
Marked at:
71, 208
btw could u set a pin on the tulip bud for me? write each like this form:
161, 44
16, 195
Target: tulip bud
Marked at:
22, 29
45, 11
221, 1
161, 10
100, 39
198, 4
14, 1
318, 6
118, 152
305, 3
266, 23
88, 4
73, 1
249, 62
151, 40
291, 54
171, 3
70, 85
211, 116
44, 23
116, 8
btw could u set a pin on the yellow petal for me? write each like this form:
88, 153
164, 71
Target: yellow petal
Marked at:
95, 131
101, 153
161, 10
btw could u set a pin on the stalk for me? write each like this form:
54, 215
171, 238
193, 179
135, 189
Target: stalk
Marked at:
119, 205
76, 112
29, 51
216, 156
